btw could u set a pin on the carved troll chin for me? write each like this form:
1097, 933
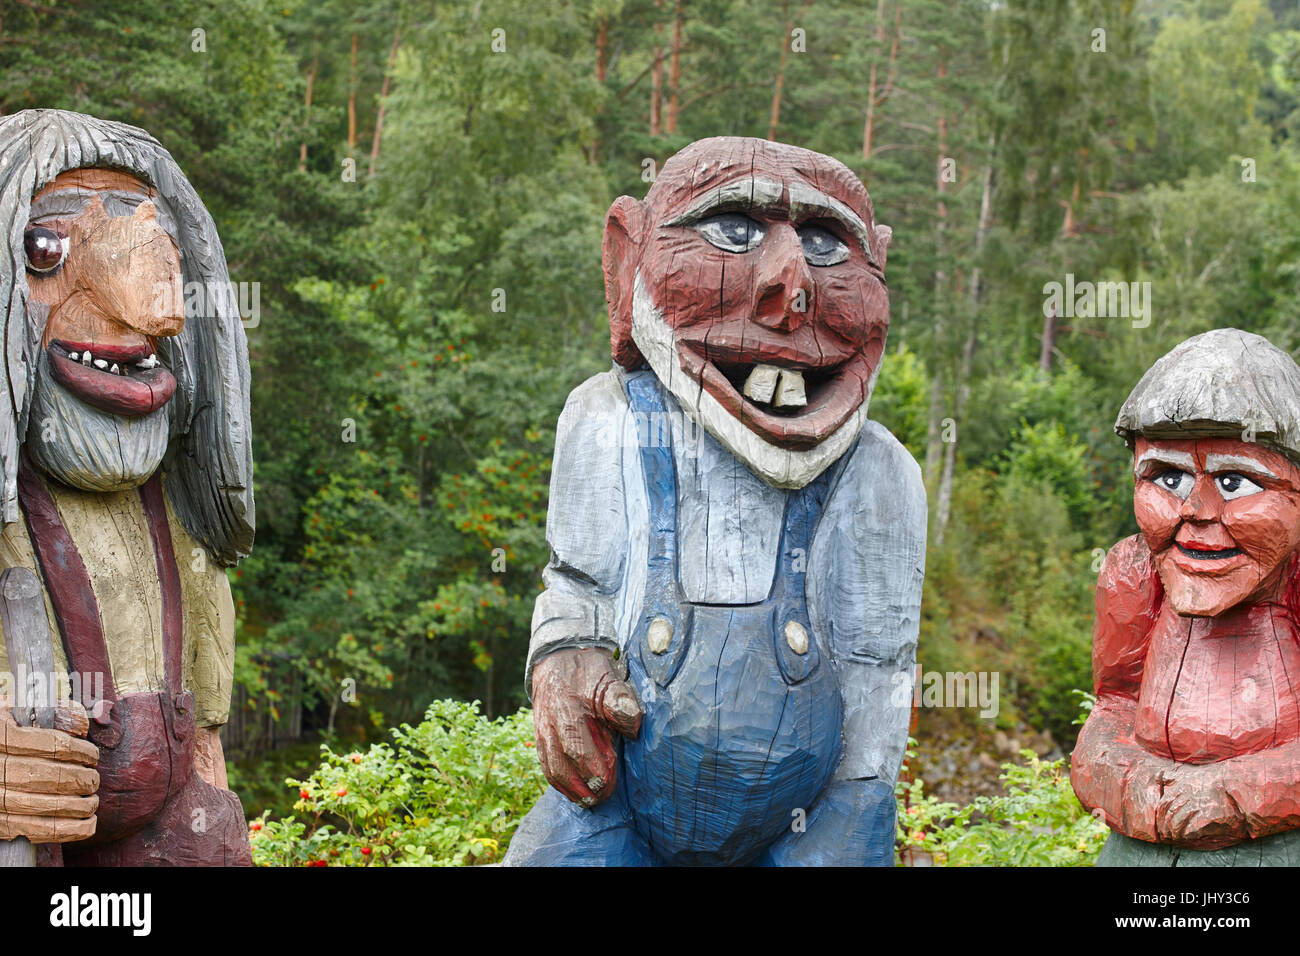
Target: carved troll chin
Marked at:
87, 448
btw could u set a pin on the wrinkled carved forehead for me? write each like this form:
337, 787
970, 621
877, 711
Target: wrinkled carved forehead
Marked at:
95, 179
1213, 454
68, 194
710, 165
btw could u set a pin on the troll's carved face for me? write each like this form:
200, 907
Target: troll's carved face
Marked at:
1222, 517
96, 260
751, 279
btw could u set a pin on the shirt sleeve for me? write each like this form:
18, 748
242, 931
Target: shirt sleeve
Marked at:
869, 555
208, 664
586, 525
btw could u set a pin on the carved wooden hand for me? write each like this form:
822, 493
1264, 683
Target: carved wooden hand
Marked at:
48, 783
578, 699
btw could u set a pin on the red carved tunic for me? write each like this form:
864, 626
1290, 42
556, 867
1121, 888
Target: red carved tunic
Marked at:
1214, 688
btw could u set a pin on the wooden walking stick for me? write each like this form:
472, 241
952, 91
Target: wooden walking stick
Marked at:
31, 665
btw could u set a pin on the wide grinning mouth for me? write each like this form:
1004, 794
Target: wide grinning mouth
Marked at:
122, 379
779, 388
1201, 554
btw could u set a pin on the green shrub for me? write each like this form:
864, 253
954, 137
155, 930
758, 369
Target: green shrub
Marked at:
448, 792
1038, 822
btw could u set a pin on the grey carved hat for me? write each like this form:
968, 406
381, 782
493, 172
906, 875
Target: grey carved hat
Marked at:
209, 464
1218, 384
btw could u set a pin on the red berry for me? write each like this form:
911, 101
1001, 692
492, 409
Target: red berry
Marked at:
341, 793
304, 794
365, 851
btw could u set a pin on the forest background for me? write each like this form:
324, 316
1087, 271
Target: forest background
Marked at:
419, 189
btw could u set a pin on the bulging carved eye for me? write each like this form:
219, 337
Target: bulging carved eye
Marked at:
821, 247
1235, 485
45, 250
731, 232
1178, 483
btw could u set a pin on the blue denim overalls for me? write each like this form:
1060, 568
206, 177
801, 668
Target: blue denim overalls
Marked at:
743, 714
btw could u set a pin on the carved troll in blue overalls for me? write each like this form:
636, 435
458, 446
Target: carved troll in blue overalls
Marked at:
722, 658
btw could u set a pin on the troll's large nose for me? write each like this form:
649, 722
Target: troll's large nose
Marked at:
128, 271
784, 287
1204, 504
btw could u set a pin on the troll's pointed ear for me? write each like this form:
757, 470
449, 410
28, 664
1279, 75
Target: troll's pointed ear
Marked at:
620, 253
884, 236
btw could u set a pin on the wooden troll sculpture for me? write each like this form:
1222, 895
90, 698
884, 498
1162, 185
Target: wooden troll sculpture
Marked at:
722, 658
1192, 752
127, 475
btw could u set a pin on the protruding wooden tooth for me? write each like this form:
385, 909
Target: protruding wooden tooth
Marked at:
761, 383
790, 391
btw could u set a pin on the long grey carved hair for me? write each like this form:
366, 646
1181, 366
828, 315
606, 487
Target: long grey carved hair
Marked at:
209, 462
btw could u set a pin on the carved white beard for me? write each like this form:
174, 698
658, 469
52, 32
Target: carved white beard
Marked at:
87, 448
782, 467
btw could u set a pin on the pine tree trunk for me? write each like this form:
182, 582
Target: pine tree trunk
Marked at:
602, 46
1047, 342
674, 69
657, 83
878, 92
778, 88
383, 95
944, 504
311, 79
985, 221
352, 97
602, 68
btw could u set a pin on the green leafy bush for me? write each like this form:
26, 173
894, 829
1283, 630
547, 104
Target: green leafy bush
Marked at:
447, 792
1038, 822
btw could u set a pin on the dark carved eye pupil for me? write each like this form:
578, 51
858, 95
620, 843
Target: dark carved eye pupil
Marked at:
44, 249
737, 228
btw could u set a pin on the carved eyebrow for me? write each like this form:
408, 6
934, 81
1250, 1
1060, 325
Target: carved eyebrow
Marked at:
754, 192
759, 193
806, 201
69, 202
1172, 459
1237, 463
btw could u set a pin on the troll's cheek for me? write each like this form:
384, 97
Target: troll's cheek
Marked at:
1266, 526
1157, 514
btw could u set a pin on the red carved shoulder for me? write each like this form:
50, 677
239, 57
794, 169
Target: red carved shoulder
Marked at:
1129, 596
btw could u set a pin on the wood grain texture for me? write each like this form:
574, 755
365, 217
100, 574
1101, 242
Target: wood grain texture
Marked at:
705, 329
133, 582
72, 597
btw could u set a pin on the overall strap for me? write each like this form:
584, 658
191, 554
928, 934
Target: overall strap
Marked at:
76, 611
797, 650
169, 580
662, 633
803, 509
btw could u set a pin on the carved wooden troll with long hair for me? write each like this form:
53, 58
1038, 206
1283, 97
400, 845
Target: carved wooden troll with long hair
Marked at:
127, 485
